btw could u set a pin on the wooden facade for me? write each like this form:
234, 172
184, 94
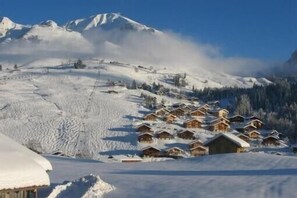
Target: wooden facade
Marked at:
161, 112
237, 119
197, 112
221, 113
253, 134
219, 126
175, 151
194, 123
222, 144
150, 117
144, 129
169, 118
187, 135
257, 123
178, 112
195, 143
29, 192
145, 138
244, 137
270, 141
164, 135
151, 152
246, 128
198, 151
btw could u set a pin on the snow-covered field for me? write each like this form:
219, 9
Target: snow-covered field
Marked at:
253, 175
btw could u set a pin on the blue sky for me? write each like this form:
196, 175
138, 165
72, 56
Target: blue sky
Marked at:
262, 29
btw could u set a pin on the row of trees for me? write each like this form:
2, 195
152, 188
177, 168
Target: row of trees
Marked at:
276, 103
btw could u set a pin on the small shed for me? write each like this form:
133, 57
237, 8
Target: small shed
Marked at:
144, 128
226, 143
236, 119
164, 135
270, 141
194, 123
198, 151
195, 143
150, 117
151, 151
174, 151
186, 134
145, 138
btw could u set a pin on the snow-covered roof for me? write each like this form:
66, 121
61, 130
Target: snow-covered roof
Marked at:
21, 167
148, 147
231, 137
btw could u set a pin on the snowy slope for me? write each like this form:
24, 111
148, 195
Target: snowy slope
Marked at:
252, 175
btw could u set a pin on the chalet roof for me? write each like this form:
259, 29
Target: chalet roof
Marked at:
21, 167
244, 125
142, 134
194, 141
231, 137
174, 148
161, 109
197, 110
241, 134
193, 120
220, 109
250, 121
148, 147
270, 136
153, 114
254, 131
164, 131
218, 122
274, 132
183, 131
252, 118
143, 125
204, 148
235, 116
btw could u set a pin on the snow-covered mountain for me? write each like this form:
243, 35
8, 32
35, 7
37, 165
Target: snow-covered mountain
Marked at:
107, 21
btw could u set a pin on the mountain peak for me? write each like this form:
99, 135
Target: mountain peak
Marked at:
49, 23
6, 23
106, 21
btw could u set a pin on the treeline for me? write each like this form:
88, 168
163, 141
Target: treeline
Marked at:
276, 103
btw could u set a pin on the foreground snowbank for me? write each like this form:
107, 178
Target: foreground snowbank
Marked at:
85, 187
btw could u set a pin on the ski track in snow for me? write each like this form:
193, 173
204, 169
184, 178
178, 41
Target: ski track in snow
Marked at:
68, 113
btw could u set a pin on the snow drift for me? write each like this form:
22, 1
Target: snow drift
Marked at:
90, 186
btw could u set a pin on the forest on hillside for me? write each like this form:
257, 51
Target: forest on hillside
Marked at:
275, 104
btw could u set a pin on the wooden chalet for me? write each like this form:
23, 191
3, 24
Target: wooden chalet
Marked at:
161, 112
236, 119
194, 123
195, 143
270, 141
178, 112
220, 113
219, 126
244, 137
197, 112
186, 134
150, 117
143, 128
204, 108
226, 143
151, 151
174, 151
146, 138
245, 128
164, 135
253, 134
257, 123
274, 133
169, 118
198, 151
